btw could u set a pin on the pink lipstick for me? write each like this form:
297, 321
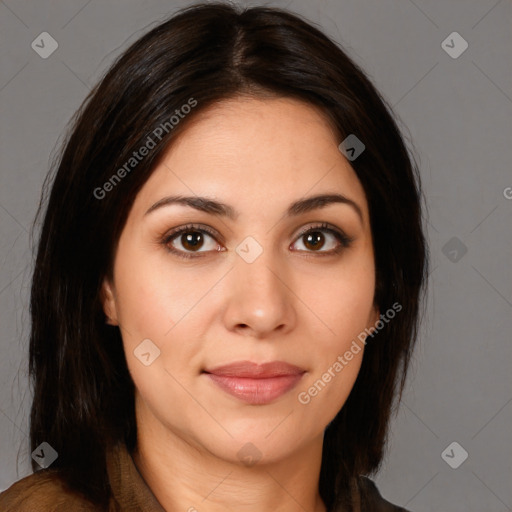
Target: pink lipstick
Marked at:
256, 384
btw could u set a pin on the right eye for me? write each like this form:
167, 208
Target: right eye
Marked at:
191, 238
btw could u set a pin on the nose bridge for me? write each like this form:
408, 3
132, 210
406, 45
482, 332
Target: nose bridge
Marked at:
259, 298
256, 269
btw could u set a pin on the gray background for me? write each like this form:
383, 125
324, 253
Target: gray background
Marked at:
458, 113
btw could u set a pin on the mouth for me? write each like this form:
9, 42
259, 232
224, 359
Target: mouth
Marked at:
256, 384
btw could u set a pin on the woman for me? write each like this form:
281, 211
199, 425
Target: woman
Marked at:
227, 287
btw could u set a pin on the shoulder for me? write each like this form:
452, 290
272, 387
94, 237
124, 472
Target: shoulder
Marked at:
372, 500
42, 492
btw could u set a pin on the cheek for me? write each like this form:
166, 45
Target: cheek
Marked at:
343, 302
162, 305
344, 305
144, 309
149, 294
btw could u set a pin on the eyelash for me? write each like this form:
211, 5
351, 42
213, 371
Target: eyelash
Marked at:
344, 240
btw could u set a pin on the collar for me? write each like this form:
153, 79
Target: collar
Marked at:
132, 494
129, 490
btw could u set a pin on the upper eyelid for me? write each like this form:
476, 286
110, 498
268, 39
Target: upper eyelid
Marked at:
326, 227
183, 229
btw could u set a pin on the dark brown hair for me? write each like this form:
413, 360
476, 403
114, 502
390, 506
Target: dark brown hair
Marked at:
83, 393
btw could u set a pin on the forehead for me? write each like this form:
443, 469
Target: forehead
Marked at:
249, 126
248, 150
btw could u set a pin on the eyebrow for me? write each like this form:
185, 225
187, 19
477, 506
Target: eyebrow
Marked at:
213, 207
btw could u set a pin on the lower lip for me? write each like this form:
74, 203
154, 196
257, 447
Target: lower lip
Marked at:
256, 391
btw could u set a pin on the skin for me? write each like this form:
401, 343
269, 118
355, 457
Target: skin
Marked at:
293, 303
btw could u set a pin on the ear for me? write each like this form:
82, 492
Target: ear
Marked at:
108, 302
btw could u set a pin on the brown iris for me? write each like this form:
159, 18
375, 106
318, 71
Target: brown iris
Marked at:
314, 240
192, 240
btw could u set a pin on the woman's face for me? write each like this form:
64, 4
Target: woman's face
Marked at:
264, 282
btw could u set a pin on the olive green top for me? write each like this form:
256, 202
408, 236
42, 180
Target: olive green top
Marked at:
44, 492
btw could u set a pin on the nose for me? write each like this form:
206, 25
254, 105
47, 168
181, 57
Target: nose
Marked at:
260, 298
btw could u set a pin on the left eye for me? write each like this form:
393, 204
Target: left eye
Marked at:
315, 239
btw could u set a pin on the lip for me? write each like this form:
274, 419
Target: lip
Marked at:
256, 384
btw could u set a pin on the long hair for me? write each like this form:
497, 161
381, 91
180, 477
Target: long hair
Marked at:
83, 393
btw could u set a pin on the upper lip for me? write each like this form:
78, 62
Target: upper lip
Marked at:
248, 369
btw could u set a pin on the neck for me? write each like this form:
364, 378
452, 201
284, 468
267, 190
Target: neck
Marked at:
184, 476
